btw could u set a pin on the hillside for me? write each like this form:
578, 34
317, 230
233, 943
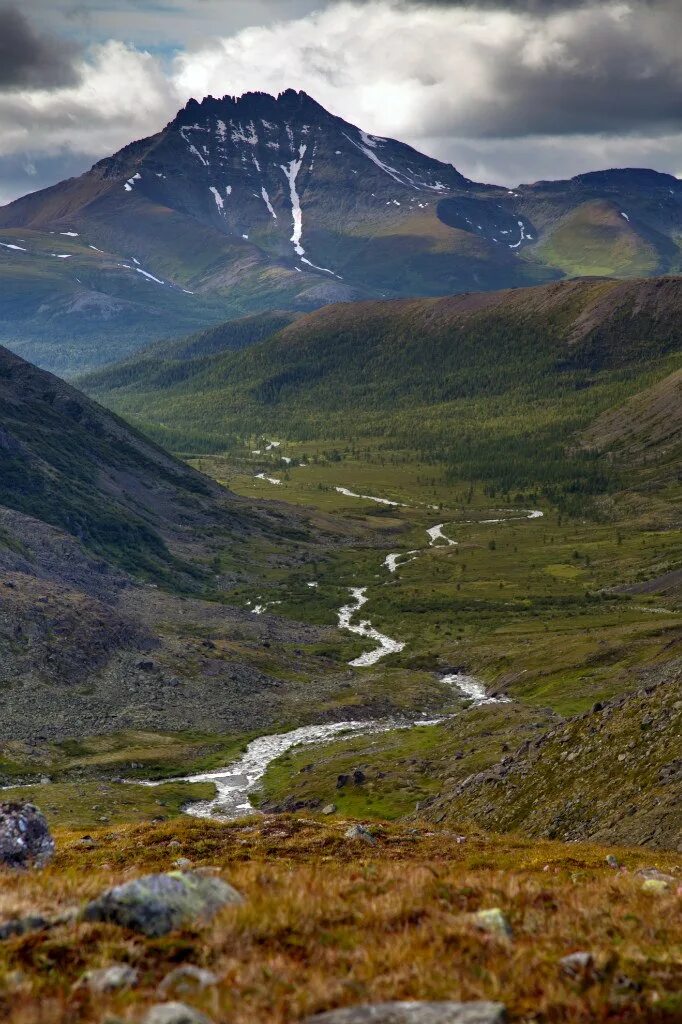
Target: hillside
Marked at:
166, 363
610, 775
243, 205
517, 371
70, 464
119, 565
330, 922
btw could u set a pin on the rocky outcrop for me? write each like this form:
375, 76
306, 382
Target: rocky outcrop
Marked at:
25, 839
610, 774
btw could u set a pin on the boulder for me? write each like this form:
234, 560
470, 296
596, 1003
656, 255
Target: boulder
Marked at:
493, 921
174, 1013
657, 885
415, 1013
186, 979
25, 838
361, 833
111, 979
23, 925
578, 966
158, 904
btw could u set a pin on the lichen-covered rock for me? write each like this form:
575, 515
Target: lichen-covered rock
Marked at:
415, 1013
361, 833
174, 1013
23, 925
25, 838
186, 979
111, 979
656, 885
493, 921
158, 904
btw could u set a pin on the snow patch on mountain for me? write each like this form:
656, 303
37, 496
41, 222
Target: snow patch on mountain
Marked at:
247, 135
522, 238
190, 145
325, 270
219, 201
266, 200
150, 277
291, 171
371, 155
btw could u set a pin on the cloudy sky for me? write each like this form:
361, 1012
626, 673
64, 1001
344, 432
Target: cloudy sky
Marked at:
509, 91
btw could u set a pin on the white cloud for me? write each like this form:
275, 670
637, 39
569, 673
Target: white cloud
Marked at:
122, 93
505, 94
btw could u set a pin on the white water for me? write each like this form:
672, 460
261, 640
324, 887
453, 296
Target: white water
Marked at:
392, 562
471, 688
235, 782
369, 497
366, 629
436, 533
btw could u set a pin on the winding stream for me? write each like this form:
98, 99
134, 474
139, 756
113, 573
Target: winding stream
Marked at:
237, 781
366, 629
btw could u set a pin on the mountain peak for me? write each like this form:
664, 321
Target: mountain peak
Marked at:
250, 104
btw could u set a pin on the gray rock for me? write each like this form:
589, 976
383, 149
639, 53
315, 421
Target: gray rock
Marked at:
579, 966
653, 874
174, 1013
23, 925
612, 861
361, 833
329, 809
493, 921
111, 979
183, 863
87, 843
158, 904
187, 979
25, 838
415, 1013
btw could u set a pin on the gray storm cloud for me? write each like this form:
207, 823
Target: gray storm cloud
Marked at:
29, 58
506, 91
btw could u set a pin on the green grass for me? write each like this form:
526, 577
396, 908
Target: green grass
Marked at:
595, 240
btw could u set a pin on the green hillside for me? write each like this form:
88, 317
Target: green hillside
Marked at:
490, 385
596, 239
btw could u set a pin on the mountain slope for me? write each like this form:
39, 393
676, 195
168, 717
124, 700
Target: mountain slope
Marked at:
482, 382
166, 363
70, 464
245, 204
611, 775
119, 566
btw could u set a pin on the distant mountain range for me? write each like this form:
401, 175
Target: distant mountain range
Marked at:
257, 203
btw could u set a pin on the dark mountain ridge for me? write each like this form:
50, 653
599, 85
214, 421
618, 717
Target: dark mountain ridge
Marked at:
244, 204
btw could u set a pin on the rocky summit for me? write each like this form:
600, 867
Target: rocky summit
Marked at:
249, 203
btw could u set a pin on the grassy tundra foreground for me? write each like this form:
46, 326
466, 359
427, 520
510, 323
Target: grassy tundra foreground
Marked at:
331, 921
